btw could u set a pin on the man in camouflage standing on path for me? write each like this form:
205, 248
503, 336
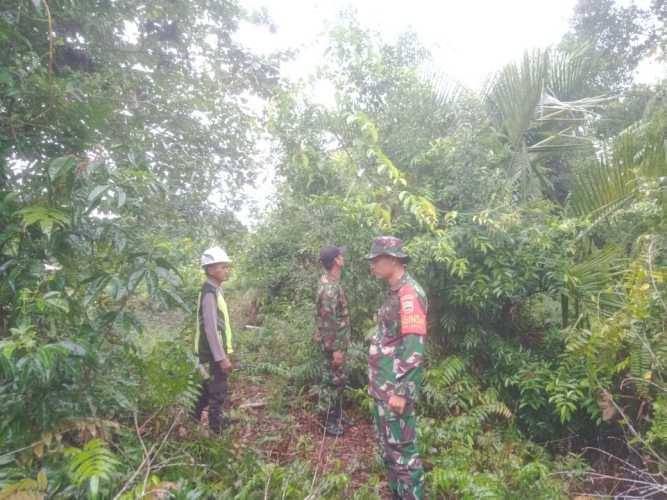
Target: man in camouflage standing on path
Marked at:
333, 335
395, 367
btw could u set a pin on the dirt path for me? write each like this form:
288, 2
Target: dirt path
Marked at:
297, 434
283, 437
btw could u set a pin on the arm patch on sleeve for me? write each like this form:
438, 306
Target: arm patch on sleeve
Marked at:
413, 316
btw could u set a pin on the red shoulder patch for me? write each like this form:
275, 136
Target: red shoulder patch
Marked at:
413, 316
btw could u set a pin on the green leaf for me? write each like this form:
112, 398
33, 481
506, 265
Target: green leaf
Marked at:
167, 276
6, 77
92, 464
46, 218
176, 298
73, 348
161, 261
95, 288
122, 198
54, 299
95, 195
151, 282
60, 167
135, 278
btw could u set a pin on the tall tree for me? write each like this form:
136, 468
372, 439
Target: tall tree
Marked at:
118, 122
152, 86
618, 37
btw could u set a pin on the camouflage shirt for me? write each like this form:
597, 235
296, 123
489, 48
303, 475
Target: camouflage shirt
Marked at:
333, 316
398, 345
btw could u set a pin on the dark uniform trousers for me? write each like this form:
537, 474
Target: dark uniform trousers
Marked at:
213, 394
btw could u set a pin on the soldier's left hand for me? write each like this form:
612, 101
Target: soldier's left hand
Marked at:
397, 404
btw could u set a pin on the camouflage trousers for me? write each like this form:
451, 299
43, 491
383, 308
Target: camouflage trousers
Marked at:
331, 388
396, 435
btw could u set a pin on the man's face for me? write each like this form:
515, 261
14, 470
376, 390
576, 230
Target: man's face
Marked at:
220, 271
383, 266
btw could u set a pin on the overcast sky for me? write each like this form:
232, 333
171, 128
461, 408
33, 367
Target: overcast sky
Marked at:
469, 39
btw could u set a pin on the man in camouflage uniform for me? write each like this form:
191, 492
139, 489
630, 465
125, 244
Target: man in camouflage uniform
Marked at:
395, 366
333, 336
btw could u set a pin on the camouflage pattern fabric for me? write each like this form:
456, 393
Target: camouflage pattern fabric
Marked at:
333, 334
331, 390
396, 435
395, 368
397, 348
333, 315
387, 245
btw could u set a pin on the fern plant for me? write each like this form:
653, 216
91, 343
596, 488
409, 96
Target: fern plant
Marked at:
657, 434
92, 467
451, 391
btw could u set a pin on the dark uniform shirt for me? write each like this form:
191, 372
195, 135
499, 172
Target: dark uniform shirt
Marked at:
212, 323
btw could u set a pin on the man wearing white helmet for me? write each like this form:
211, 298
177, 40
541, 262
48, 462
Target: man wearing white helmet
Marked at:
215, 344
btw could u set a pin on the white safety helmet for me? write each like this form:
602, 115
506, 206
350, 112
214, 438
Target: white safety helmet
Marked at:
214, 255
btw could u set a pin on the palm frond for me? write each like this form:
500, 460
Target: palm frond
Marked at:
590, 282
514, 93
445, 90
601, 189
610, 183
528, 102
568, 72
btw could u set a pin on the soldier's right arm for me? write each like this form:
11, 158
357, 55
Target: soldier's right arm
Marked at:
210, 317
343, 326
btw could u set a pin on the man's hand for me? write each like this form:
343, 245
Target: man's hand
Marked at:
397, 404
225, 365
338, 358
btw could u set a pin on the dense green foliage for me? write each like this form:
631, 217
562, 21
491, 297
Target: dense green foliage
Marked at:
537, 233
534, 212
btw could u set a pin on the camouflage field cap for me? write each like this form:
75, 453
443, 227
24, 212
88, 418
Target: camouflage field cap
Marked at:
387, 245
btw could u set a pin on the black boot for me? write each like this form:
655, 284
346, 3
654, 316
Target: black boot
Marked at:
228, 421
215, 419
333, 428
331, 424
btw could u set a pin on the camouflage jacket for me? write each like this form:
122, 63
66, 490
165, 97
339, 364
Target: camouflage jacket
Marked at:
398, 345
333, 316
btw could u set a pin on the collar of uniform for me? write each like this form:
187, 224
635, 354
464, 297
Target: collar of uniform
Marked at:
327, 278
217, 286
404, 279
